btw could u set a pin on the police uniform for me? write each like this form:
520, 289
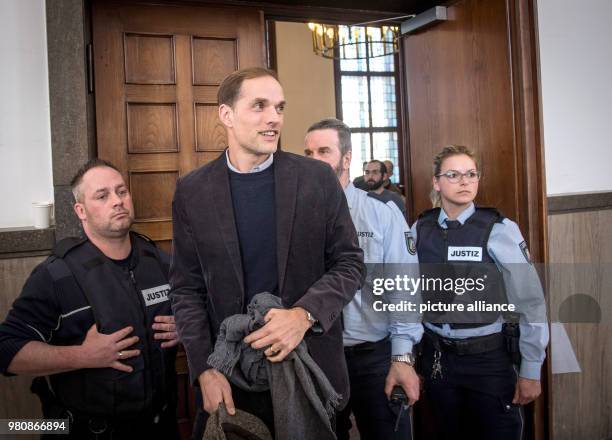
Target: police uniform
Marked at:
469, 374
64, 296
370, 338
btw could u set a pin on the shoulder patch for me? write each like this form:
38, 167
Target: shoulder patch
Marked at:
525, 251
410, 243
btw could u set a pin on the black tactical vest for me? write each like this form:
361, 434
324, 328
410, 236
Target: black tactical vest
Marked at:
119, 297
451, 255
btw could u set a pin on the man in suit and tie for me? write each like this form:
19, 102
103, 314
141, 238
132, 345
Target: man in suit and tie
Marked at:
254, 220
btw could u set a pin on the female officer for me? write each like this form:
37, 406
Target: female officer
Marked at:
474, 387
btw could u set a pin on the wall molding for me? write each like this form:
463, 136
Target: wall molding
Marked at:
576, 202
25, 241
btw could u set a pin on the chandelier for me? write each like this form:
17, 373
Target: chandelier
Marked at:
353, 42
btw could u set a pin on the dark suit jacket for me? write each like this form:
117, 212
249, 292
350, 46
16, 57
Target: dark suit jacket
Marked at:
320, 264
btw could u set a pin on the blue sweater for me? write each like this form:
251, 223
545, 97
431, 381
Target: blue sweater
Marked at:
254, 210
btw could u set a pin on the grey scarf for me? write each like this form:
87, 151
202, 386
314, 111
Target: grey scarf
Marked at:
303, 400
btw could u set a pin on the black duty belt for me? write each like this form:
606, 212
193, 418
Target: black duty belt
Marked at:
455, 326
461, 347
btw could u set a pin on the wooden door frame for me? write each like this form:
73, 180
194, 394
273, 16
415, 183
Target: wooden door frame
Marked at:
529, 144
76, 136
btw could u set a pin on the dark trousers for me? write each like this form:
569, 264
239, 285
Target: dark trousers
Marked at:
368, 366
473, 398
258, 404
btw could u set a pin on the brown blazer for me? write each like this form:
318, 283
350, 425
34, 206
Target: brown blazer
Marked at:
320, 264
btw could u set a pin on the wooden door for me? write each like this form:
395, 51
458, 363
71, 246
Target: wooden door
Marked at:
459, 87
157, 70
472, 81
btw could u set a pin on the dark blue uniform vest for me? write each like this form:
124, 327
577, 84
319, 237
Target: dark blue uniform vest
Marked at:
455, 254
118, 297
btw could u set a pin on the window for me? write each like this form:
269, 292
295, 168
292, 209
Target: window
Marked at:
366, 99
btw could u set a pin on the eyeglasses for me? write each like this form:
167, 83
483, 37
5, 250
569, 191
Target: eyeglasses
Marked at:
455, 176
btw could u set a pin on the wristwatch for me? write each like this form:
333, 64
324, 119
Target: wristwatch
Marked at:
406, 358
311, 319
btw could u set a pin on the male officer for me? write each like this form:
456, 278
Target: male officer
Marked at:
95, 318
376, 364
261, 220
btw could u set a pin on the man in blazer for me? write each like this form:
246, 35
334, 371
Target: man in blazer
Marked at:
257, 219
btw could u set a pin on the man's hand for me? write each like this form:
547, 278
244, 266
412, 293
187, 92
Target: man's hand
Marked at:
526, 391
216, 389
402, 374
102, 351
284, 330
166, 330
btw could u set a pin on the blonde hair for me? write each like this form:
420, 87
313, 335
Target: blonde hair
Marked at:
448, 151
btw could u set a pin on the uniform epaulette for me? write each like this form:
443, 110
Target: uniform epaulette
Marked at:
496, 212
64, 246
433, 212
57, 268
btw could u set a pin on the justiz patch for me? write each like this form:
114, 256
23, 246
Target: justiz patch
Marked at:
464, 253
155, 295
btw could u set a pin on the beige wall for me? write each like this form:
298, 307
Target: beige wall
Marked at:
308, 82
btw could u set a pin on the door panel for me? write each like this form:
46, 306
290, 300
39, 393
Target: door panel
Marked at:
459, 85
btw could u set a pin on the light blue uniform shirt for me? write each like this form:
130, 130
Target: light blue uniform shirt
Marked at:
381, 229
504, 248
